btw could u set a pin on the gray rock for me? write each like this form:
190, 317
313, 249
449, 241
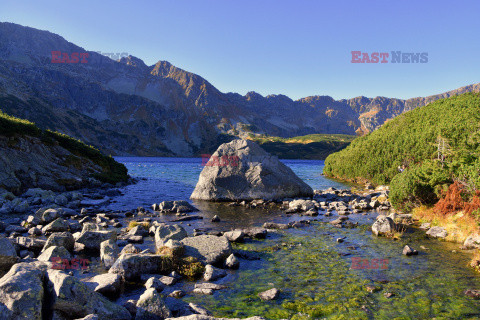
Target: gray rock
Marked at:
132, 266
155, 283
176, 294
232, 262
8, 254
200, 311
58, 225
203, 291
301, 205
383, 225
131, 306
178, 206
14, 228
472, 241
425, 226
258, 175
168, 281
138, 231
271, 294
409, 251
61, 200
75, 299
208, 249
150, 306
207, 317
34, 231
168, 232
108, 284
130, 248
60, 239
93, 239
256, 233
177, 248
209, 286
235, 235
212, 273
109, 252
90, 317
22, 292
49, 215
273, 225
54, 252
437, 232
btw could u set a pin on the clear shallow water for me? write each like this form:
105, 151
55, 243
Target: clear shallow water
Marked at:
175, 179
308, 265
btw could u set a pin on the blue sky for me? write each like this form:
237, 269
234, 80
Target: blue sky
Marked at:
297, 48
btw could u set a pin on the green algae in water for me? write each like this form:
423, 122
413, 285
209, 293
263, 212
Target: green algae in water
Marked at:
316, 281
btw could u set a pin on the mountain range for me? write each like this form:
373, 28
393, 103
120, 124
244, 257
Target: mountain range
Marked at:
125, 107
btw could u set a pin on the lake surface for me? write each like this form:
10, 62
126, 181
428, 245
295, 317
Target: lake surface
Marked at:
175, 178
313, 271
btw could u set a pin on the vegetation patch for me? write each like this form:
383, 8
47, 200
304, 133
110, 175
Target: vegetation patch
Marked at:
312, 146
419, 153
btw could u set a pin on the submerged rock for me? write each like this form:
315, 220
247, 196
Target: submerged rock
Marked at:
271, 294
409, 251
178, 206
255, 174
212, 273
232, 262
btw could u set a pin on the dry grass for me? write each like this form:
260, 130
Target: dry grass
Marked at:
458, 225
397, 232
133, 224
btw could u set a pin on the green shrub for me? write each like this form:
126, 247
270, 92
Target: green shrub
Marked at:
418, 185
447, 130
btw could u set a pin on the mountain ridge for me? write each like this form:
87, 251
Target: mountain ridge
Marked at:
162, 109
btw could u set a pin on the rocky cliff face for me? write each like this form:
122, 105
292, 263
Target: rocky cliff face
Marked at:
28, 162
128, 108
33, 158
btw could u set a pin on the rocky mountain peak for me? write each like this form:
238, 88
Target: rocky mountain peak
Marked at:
133, 61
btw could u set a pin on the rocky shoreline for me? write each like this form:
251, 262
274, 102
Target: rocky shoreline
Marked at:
60, 243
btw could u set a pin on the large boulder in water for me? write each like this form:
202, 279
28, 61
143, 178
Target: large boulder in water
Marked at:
241, 170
